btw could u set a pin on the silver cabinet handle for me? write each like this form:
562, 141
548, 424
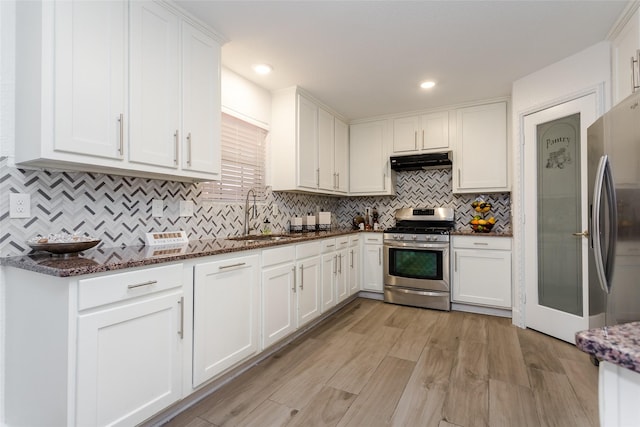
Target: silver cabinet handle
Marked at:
455, 263
338, 183
480, 243
335, 264
224, 267
351, 263
330, 246
189, 149
294, 279
176, 137
139, 285
423, 139
340, 264
415, 139
121, 146
635, 60
379, 256
301, 277
181, 331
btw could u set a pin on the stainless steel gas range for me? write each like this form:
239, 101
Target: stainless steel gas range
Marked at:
416, 258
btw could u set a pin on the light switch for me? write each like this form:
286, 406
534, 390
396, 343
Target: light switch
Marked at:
157, 208
186, 208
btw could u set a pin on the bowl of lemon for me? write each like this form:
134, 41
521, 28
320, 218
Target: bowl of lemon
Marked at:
480, 223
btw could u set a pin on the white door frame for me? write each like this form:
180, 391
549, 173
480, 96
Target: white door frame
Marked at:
517, 196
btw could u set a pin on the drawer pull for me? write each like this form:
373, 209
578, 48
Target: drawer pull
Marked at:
224, 267
330, 246
139, 285
481, 243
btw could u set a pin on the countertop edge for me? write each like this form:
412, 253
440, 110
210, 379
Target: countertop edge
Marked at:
618, 344
85, 262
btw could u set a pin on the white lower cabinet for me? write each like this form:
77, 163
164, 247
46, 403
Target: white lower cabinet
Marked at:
372, 262
329, 271
481, 270
93, 351
129, 361
618, 391
342, 270
354, 253
279, 304
308, 281
226, 313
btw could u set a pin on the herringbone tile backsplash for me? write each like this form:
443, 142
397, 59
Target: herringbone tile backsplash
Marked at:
118, 209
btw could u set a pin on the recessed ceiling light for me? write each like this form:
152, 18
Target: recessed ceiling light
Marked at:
263, 68
427, 85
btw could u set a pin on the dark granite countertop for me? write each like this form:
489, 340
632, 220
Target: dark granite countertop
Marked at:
102, 259
618, 344
473, 233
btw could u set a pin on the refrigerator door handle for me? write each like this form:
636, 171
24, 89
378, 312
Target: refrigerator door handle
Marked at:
604, 267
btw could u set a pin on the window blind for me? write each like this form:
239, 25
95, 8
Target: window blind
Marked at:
242, 162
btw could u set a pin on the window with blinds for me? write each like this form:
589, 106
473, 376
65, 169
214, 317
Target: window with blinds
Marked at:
243, 162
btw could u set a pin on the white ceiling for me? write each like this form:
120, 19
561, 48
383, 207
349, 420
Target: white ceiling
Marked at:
366, 58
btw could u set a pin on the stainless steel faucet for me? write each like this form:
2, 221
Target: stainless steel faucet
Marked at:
247, 226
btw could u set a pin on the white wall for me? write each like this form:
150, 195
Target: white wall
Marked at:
585, 71
245, 99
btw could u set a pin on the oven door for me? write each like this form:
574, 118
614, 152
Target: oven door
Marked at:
417, 265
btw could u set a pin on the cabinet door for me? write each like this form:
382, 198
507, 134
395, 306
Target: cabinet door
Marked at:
482, 277
154, 85
201, 111
480, 159
326, 150
90, 77
368, 159
372, 268
226, 313
435, 131
309, 289
342, 275
625, 47
278, 303
354, 269
329, 271
307, 143
129, 361
341, 165
405, 134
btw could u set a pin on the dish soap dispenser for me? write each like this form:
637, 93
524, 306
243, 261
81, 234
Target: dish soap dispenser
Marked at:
266, 227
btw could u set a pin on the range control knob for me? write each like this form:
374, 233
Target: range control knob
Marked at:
414, 237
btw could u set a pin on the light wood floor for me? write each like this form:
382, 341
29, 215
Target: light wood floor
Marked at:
376, 364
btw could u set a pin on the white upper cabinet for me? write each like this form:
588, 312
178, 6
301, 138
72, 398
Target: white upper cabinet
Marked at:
625, 58
201, 117
341, 165
90, 75
99, 89
308, 145
424, 133
155, 86
369, 169
480, 155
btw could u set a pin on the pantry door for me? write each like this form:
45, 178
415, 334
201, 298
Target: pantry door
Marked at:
555, 207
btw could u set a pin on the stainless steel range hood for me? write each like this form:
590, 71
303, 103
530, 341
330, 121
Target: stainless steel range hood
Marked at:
421, 161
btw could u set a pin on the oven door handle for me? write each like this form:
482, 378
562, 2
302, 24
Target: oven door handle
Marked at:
416, 292
441, 245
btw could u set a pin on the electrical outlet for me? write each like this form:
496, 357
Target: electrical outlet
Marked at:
19, 205
186, 208
157, 208
274, 210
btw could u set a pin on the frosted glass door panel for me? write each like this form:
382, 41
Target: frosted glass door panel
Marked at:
559, 215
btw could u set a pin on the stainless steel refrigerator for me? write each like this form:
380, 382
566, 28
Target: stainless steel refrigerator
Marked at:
613, 170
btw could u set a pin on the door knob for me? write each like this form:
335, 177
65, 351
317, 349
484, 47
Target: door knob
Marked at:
585, 233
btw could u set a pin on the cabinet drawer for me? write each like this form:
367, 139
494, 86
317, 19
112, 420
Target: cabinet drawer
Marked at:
121, 286
342, 242
372, 238
478, 242
305, 250
278, 255
354, 240
329, 245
